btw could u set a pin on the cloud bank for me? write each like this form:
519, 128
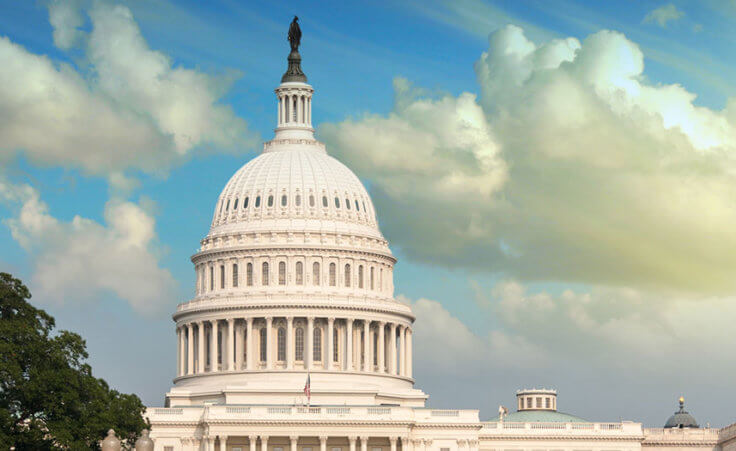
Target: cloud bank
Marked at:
663, 15
570, 166
123, 107
82, 260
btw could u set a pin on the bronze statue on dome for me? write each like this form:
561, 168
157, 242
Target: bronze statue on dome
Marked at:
295, 34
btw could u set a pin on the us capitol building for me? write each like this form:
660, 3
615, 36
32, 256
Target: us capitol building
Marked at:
294, 342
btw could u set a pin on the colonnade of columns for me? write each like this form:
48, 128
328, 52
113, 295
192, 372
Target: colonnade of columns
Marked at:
266, 443
290, 342
295, 109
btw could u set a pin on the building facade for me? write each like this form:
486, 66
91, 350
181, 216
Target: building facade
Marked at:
293, 340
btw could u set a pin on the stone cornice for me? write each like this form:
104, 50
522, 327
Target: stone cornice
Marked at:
628, 438
248, 250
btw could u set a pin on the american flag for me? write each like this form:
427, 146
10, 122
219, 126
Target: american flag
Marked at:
308, 389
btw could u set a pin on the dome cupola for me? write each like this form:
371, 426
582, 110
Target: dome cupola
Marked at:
681, 419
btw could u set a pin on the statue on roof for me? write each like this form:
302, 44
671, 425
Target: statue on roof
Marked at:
295, 34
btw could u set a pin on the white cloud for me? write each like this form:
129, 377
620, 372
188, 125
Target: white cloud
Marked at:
130, 108
591, 174
81, 260
664, 14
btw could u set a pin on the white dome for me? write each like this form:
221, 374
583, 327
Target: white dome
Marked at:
294, 186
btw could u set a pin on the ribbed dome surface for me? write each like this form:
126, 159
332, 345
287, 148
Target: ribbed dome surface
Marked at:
295, 187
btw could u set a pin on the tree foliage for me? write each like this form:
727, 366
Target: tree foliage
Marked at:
49, 398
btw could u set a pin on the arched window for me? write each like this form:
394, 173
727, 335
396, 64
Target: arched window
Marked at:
222, 276
258, 201
283, 200
264, 273
282, 273
299, 273
281, 344
263, 333
315, 273
212, 278
337, 202
227, 207
360, 276
270, 201
357, 207
299, 348
380, 279
347, 203
235, 274
317, 347
364, 209
347, 275
372, 277
324, 201
235, 205
335, 345
298, 200
245, 204
249, 274
333, 275
311, 200
293, 111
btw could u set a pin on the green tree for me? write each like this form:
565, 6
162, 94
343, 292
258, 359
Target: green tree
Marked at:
48, 396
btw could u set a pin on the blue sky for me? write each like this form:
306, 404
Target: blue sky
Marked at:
353, 54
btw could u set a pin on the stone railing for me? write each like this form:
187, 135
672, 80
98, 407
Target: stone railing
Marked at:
297, 413
510, 428
233, 299
674, 435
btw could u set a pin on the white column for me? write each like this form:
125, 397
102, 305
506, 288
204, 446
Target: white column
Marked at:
323, 443
392, 349
190, 348
349, 345
249, 343
392, 440
200, 347
252, 442
381, 347
352, 440
269, 357
405, 444
367, 348
408, 352
179, 352
402, 351
294, 440
330, 344
230, 344
310, 336
211, 443
289, 343
364, 442
238, 346
223, 442
264, 443
213, 348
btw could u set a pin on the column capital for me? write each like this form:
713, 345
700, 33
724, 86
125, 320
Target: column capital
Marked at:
264, 438
294, 438
393, 439
331, 319
252, 438
268, 318
352, 438
230, 320
363, 438
428, 441
322, 438
289, 318
249, 320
